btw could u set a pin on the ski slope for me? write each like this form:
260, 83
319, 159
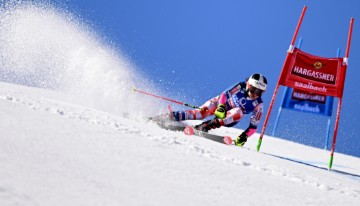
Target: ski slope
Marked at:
56, 152
76, 135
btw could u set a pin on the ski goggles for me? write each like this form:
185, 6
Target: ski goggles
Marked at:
254, 90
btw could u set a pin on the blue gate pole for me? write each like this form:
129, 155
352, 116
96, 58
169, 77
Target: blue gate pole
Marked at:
327, 133
279, 112
282, 102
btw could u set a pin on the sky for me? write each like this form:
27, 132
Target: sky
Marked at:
54, 151
193, 50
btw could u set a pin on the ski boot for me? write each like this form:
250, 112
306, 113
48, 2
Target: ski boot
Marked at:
240, 141
208, 125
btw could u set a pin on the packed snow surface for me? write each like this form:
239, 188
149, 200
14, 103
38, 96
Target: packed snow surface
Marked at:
56, 152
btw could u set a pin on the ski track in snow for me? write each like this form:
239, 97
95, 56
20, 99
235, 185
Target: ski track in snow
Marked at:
13, 197
168, 138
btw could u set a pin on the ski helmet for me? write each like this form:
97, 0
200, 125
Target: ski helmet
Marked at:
256, 84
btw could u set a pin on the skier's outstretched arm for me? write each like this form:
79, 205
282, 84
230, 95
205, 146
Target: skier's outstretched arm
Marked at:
254, 121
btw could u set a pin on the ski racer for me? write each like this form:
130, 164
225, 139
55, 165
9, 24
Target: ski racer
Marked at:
229, 107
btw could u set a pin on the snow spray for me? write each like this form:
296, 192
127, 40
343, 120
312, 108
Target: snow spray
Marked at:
47, 47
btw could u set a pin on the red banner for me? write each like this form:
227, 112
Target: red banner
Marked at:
314, 74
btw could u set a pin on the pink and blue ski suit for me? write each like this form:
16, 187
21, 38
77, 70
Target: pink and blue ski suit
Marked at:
237, 104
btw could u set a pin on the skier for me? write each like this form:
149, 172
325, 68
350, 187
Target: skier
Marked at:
229, 107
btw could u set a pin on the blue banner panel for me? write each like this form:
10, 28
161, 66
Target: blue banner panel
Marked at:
307, 102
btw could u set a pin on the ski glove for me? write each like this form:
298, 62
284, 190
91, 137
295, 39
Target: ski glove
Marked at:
208, 125
220, 112
240, 141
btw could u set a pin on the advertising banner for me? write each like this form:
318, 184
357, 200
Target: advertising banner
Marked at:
313, 74
307, 102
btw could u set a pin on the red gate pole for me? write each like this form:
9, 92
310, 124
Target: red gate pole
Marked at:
349, 38
291, 48
340, 99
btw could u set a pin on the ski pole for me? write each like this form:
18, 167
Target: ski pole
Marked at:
167, 99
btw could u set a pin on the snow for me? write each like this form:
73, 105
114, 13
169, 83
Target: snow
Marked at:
56, 152
78, 135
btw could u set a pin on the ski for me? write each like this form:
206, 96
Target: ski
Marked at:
171, 127
168, 125
189, 130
